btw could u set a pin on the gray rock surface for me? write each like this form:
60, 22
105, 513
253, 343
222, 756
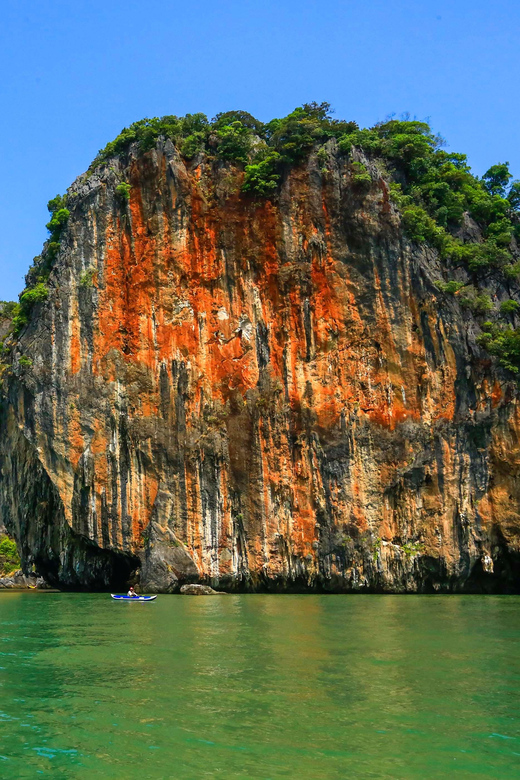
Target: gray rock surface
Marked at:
19, 581
165, 561
199, 590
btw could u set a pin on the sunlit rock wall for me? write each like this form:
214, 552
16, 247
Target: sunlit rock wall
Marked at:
255, 394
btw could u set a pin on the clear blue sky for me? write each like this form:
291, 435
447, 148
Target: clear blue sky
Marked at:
74, 73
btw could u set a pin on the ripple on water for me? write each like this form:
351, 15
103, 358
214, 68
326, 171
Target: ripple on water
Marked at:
260, 686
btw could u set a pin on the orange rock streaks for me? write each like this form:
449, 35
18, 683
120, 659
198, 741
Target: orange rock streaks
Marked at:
257, 369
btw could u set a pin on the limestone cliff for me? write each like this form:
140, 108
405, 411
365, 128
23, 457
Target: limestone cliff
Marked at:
256, 392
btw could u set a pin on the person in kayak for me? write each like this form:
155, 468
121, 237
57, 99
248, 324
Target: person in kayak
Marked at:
131, 593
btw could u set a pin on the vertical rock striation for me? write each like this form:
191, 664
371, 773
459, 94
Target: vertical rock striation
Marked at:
255, 394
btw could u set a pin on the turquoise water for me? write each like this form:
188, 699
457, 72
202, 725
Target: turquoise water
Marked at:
259, 686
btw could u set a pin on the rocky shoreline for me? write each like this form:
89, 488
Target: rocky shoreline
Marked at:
17, 580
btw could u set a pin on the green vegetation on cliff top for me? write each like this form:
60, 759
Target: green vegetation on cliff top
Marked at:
434, 190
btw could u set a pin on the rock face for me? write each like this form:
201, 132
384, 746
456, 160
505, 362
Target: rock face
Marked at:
19, 581
198, 590
255, 394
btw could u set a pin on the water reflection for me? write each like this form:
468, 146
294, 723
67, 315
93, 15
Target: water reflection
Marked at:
259, 686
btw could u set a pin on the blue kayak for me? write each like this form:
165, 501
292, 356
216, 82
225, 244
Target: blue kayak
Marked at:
133, 598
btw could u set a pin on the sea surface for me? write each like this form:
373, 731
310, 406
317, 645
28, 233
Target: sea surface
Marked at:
259, 686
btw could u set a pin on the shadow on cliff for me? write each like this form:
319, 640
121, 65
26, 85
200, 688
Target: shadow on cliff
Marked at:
34, 515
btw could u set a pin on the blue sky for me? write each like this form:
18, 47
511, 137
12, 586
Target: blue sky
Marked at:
75, 73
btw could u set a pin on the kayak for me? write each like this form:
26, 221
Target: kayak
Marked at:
133, 598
